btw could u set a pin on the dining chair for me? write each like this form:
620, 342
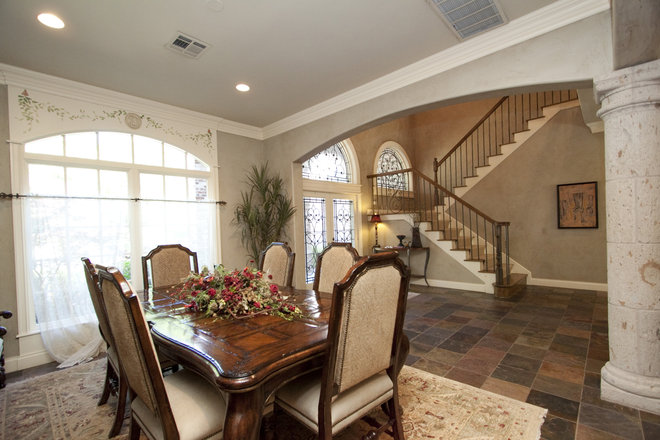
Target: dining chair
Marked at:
332, 265
359, 371
112, 373
167, 265
181, 405
277, 260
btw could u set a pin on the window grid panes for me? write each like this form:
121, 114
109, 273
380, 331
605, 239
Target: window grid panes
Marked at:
344, 225
330, 164
58, 232
315, 233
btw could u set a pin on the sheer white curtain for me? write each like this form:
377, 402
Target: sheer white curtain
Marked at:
59, 232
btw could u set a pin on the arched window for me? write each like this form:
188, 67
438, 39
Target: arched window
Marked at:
112, 197
330, 199
391, 157
331, 164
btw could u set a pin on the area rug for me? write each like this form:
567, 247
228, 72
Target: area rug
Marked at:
62, 405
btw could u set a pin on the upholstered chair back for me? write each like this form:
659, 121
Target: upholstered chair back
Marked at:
134, 346
332, 265
277, 260
92, 279
370, 303
167, 265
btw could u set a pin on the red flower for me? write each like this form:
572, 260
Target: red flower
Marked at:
211, 292
257, 304
270, 277
193, 293
273, 288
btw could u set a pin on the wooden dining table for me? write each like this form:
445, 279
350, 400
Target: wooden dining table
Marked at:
247, 358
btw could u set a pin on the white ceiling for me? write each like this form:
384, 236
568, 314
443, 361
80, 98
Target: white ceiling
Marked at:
295, 54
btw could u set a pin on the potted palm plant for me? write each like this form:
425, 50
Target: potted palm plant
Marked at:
264, 211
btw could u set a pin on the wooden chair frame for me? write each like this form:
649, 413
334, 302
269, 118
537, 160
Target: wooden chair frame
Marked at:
319, 262
146, 260
141, 332
291, 259
113, 371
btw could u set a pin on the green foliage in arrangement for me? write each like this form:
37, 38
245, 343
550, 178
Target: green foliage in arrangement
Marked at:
264, 211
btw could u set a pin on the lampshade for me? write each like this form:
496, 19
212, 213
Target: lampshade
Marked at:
375, 218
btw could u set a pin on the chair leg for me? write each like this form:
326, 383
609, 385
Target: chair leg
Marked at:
121, 408
396, 414
106, 386
134, 432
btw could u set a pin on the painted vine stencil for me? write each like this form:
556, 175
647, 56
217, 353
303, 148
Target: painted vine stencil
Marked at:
31, 109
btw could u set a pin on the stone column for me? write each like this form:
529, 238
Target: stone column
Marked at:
630, 109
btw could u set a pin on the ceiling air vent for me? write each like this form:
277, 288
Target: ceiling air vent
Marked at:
187, 45
468, 18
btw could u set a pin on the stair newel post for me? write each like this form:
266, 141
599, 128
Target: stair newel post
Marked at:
499, 275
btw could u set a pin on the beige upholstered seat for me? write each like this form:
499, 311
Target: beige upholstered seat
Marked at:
332, 265
167, 265
359, 371
113, 372
181, 405
277, 261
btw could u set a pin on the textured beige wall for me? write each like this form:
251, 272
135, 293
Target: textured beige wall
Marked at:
563, 151
236, 155
8, 272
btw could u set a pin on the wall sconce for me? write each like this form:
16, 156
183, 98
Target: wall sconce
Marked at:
375, 219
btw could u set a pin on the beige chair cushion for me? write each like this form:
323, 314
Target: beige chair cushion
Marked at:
334, 266
275, 264
169, 266
301, 396
199, 408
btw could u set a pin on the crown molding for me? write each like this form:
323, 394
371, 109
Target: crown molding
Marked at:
28, 79
558, 14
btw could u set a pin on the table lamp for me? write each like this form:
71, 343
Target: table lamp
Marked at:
375, 219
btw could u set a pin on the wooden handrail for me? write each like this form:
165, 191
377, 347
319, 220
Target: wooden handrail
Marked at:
455, 197
473, 129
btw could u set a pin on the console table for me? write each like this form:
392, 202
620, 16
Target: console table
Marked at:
409, 250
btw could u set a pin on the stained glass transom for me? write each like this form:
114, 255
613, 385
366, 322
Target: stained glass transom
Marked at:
330, 164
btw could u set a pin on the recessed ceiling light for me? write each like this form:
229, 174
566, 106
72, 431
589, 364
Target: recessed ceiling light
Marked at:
50, 20
241, 87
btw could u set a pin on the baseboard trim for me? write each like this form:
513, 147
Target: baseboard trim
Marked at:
17, 363
567, 284
458, 285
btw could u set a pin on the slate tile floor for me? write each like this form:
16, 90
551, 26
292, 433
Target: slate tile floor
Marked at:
545, 347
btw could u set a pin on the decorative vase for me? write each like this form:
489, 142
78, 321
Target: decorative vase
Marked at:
401, 237
416, 238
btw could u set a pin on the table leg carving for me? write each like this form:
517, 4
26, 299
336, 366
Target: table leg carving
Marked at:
244, 413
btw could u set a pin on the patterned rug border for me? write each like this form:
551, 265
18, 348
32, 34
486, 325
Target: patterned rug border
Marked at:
62, 405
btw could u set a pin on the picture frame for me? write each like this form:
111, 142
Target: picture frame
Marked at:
577, 205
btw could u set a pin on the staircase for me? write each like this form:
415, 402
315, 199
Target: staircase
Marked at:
476, 241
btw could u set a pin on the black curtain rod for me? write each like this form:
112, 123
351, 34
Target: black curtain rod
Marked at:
134, 199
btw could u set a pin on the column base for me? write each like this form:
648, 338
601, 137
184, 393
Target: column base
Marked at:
629, 389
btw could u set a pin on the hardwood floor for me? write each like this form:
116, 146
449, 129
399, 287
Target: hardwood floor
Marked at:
545, 347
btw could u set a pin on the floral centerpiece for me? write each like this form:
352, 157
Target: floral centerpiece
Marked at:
235, 294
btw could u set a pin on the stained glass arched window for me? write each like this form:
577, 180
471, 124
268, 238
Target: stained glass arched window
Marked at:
391, 158
331, 164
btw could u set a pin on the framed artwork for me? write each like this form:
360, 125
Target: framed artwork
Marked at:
577, 205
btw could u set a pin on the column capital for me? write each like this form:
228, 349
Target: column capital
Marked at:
632, 86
